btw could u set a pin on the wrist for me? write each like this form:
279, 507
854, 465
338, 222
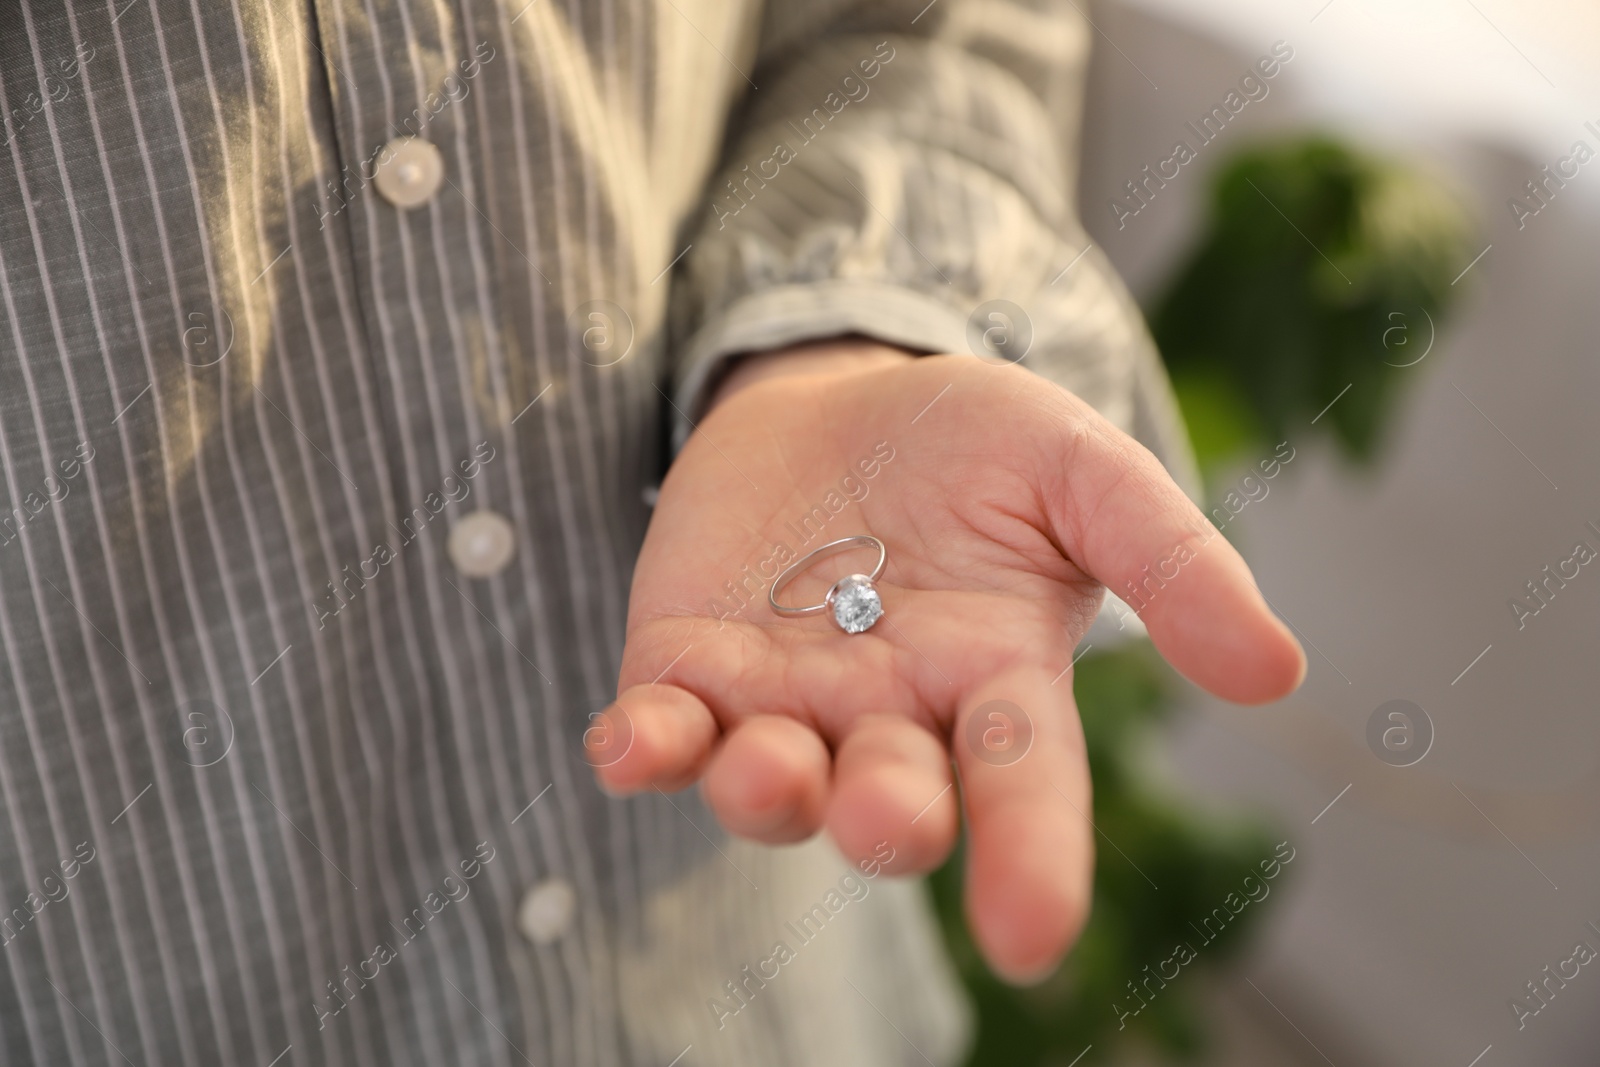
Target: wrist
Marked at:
834, 357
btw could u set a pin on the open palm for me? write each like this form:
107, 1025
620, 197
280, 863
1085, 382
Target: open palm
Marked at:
1007, 507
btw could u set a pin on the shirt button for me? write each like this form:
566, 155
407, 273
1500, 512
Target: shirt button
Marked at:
482, 543
410, 171
546, 911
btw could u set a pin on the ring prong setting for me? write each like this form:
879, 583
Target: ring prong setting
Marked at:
854, 604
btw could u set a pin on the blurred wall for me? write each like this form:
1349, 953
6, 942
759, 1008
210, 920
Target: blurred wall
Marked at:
1425, 897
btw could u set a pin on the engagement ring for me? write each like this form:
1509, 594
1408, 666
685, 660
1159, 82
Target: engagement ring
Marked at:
853, 603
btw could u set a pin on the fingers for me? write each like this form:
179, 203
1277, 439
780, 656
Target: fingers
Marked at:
653, 736
769, 780
1123, 520
1030, 855
892, 785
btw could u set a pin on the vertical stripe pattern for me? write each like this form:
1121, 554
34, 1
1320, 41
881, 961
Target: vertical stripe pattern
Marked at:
276, 774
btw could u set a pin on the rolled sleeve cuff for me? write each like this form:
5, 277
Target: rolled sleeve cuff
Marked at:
792, 314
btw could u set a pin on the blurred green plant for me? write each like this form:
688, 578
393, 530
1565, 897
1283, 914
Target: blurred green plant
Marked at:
1320, 267
1194, 861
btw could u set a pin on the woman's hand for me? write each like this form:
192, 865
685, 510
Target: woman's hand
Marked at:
1007, 506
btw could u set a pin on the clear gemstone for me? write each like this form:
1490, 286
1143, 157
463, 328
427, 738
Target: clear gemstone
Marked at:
856, 604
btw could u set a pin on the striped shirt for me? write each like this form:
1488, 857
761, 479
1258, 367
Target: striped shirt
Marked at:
339, 343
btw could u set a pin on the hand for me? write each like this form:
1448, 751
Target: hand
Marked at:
1007, 506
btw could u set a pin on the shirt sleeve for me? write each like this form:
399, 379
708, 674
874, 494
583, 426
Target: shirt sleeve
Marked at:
906, 172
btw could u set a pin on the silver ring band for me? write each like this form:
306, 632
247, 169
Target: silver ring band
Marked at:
853, 600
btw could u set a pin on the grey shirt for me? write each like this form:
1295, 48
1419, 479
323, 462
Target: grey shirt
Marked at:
339, 343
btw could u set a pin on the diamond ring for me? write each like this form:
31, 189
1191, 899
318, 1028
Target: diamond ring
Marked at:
853, 603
